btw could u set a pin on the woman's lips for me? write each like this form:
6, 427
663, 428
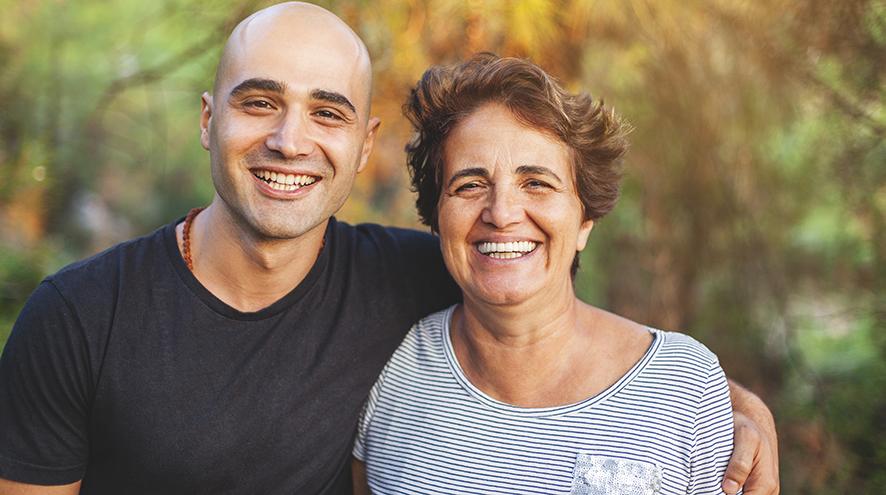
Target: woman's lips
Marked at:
506, 250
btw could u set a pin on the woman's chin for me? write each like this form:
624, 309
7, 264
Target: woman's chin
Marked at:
501, 294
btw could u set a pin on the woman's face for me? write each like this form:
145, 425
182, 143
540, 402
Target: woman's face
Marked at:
510, 220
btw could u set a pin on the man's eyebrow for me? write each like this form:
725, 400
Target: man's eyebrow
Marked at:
468, 172
333, 97
538, 170
258, 84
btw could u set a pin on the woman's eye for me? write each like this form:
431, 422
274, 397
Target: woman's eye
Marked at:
537, 184
468, 187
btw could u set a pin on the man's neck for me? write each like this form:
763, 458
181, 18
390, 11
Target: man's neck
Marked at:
246, 272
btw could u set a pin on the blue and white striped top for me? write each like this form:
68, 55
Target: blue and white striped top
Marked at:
664, 428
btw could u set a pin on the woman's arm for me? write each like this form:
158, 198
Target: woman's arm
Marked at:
358, 474
754, 462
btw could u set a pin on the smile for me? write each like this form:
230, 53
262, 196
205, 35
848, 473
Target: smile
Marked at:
506, 250
284, 182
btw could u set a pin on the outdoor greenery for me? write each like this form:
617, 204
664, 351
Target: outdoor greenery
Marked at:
753, 213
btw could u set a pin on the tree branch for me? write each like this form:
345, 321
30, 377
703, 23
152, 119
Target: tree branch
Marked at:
161, 70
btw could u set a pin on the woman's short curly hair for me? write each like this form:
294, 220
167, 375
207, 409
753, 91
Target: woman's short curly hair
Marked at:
445, 95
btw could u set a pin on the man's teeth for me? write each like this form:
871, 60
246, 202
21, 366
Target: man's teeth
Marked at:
506, 250
284, 182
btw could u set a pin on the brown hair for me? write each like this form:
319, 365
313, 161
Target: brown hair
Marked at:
445, 95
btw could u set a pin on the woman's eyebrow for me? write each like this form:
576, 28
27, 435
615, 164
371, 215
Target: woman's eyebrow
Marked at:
468, 172
538, 170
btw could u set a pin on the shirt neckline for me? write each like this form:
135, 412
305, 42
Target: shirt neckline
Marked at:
511, 409
222, 308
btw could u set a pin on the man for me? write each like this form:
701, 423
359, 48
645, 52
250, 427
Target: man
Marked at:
232, 352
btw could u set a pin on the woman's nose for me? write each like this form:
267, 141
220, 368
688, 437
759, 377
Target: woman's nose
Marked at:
503, 208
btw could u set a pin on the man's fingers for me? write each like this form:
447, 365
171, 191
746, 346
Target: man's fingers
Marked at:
761, 486
744, 454
763, 479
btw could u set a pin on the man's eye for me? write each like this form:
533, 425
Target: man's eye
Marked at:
260, 104
327, 114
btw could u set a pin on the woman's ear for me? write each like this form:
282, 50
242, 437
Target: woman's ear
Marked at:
583, 232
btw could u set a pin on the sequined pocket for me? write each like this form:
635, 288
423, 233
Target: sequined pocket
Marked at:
601, 475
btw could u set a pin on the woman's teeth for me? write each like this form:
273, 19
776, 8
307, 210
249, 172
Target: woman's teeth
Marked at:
506, 250
284, 182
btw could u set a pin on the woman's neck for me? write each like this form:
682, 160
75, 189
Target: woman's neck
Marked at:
520, 357
550, 355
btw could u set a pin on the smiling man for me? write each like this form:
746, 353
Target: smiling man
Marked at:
231, 352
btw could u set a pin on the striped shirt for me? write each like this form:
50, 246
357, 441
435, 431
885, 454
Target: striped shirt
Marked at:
665, 427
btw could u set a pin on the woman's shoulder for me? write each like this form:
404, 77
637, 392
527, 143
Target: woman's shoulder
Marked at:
432, 326
424, 343
681, 344
662, 359
634, 337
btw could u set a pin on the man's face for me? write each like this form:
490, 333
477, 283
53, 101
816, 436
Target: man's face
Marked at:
287, 126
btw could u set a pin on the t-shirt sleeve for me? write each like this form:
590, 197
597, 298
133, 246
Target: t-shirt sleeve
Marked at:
365, 421
422, 268
713, 434
44, 385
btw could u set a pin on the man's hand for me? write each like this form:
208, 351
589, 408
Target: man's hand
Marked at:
754, 462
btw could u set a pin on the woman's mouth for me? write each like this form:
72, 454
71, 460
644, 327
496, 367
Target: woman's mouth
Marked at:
506, 250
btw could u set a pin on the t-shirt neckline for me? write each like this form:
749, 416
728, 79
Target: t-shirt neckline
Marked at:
222, 308
492, 403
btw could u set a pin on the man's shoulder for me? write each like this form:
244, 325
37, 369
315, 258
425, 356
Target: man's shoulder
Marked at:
368, 239
404, 263
105, 268
376, 231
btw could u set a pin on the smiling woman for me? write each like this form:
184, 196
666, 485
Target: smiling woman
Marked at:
522, 196
523, 387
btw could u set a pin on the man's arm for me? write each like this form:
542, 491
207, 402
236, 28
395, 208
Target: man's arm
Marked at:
15, 488
754, 462
44, 389
358, 473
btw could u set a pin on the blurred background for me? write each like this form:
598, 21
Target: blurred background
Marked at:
753, 213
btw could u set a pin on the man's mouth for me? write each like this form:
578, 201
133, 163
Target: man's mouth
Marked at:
506, 250
284, 182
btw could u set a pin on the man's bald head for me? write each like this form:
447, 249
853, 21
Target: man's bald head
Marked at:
296, 29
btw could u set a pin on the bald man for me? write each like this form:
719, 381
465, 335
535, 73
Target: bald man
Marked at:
230, 352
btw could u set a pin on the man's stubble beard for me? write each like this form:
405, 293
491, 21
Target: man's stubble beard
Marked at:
286, 220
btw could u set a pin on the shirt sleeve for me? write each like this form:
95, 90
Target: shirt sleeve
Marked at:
360, 444
712, 435
44, 386
422, 268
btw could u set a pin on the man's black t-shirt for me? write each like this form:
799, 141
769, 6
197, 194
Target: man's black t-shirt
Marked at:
124, 371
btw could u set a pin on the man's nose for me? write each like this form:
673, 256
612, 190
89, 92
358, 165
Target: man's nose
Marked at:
503, 208
291, 137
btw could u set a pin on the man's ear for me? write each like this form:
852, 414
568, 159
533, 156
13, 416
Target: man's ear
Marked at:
205, 119
368, 142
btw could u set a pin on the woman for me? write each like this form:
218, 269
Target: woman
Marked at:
524, 388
